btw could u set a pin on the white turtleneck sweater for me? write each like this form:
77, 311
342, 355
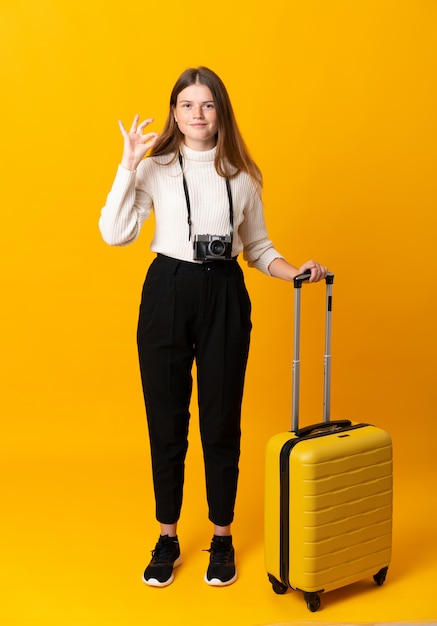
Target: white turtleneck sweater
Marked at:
158, 187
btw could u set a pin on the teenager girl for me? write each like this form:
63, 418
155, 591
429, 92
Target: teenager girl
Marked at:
205, 192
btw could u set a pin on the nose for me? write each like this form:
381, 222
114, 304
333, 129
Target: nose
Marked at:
198, 111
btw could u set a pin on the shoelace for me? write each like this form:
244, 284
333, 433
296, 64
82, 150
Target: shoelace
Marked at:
220, 553
163, 552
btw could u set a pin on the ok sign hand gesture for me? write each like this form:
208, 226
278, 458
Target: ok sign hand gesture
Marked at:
136, 144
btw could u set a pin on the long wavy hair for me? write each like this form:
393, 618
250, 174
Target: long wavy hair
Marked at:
232, 155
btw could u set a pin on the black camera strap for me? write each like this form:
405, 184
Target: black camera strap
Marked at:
187, 199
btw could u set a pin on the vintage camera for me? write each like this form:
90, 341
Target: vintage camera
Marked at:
212, 248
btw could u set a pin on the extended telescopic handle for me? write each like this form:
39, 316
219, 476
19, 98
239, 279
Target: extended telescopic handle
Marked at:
302, 278
298, 281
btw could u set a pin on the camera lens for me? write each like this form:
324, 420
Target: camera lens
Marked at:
216, 248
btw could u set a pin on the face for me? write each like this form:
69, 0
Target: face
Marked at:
196, 117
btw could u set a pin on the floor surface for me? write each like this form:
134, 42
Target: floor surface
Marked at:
77, 532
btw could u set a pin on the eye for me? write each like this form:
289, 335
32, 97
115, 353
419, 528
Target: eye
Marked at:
209, 105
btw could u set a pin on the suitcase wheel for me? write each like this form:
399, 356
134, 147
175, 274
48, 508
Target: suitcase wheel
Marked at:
380, 577
277, 586
313, 601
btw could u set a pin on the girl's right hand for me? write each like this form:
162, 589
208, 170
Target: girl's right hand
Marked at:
136, 144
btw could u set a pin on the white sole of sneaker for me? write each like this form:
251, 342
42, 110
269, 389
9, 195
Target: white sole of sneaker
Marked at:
154, 582
216, 582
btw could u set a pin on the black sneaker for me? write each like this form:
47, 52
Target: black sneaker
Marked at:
165, 557
221, 570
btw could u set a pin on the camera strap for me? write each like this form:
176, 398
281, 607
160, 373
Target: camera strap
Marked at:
187, 199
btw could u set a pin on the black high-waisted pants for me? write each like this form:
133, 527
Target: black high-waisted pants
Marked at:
194, 311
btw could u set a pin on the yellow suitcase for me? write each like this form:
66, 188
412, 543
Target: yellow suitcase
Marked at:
328, 495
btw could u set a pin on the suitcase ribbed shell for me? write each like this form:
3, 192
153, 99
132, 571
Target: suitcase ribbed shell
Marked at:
332, 519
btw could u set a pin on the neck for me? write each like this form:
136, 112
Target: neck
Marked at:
200, 146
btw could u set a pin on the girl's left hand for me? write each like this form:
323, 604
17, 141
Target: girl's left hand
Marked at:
318, 272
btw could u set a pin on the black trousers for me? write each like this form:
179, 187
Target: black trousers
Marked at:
190, 312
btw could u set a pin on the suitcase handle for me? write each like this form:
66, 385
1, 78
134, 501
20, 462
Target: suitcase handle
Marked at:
298, 281
323, 427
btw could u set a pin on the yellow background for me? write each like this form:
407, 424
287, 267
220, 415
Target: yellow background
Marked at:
337, 102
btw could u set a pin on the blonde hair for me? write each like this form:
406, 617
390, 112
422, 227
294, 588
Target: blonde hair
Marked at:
232, 155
